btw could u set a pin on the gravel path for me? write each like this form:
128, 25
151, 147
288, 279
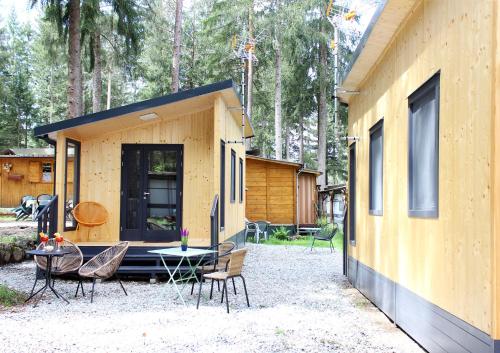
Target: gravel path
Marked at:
299, 300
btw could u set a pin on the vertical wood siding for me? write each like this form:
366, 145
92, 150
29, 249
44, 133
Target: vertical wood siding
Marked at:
446, 260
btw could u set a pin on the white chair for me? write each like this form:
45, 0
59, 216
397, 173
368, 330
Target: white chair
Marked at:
252, 229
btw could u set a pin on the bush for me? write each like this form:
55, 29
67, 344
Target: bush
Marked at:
281, 233
322, 222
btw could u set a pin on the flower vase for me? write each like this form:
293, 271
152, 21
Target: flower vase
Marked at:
184, 247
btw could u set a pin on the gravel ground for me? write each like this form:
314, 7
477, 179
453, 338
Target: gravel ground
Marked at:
300, 302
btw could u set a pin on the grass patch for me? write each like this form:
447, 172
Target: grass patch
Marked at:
10, 297
7, 218
306, 241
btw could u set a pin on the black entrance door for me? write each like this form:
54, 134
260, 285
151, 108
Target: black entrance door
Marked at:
151, 194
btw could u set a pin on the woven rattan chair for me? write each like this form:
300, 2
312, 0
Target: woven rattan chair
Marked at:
104, 265
90, 214
69, 263
234, 269
218, 263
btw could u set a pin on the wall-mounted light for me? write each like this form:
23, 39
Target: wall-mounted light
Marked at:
149, 116
351, 138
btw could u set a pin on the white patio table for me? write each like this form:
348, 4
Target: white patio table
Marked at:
177, 252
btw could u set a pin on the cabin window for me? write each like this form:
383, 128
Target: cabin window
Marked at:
47, 172
222, 183
376, 168
241, 180
71, 182
423, 173
233, 177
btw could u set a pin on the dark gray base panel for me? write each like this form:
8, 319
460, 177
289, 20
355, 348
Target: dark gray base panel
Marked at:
433, 328
238, 238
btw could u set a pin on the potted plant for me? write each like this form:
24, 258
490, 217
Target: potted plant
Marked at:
184, 239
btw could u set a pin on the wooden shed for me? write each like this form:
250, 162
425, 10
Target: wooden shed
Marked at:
273, 195
25, 171
424, 177
156, 166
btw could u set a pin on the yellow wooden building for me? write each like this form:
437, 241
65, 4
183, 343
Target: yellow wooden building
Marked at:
156, 166
280, 192
424, 195
25, 171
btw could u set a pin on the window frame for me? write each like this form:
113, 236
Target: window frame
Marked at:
241, 180
232, 188
222, 209
352, 194
51, 172
379, 126
76, 179
432, 84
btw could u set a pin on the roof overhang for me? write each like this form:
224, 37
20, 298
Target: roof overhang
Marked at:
384, 25
297, 166
176, 104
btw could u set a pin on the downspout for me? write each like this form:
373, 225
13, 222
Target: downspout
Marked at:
297, 196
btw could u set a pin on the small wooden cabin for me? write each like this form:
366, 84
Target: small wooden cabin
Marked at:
156, 166
423, 91
25, 171
273, 195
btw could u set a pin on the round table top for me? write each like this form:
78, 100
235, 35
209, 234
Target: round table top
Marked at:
61, 252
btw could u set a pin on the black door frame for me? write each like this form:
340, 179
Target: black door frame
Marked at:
142, 234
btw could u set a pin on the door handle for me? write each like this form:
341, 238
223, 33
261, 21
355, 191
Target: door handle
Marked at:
146, 193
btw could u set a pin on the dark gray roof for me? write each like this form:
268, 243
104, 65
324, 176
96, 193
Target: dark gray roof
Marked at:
43, 130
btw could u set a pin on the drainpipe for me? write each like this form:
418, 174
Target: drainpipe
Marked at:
297, 196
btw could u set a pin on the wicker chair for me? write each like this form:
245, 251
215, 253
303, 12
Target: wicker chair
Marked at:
90, 214
234, 269
69, 263
217, 264
104, 265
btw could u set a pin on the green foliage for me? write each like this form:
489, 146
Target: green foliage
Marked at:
10, 297
322, 221
281, 233
306, 242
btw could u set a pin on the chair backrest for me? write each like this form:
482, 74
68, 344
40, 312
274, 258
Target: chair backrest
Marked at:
252, 226
236, 260
43, 199
225, 250
68, 263
263, 225
90, 214
107, 262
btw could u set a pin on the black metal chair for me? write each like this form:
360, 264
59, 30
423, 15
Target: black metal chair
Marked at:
218, 263
325, 236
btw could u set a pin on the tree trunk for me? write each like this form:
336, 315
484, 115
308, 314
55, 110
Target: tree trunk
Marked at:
249, 85
177, 46
108, 98
250, 59
75, 96
287, 142
322, 113
97, 73
277, 101
301, 139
